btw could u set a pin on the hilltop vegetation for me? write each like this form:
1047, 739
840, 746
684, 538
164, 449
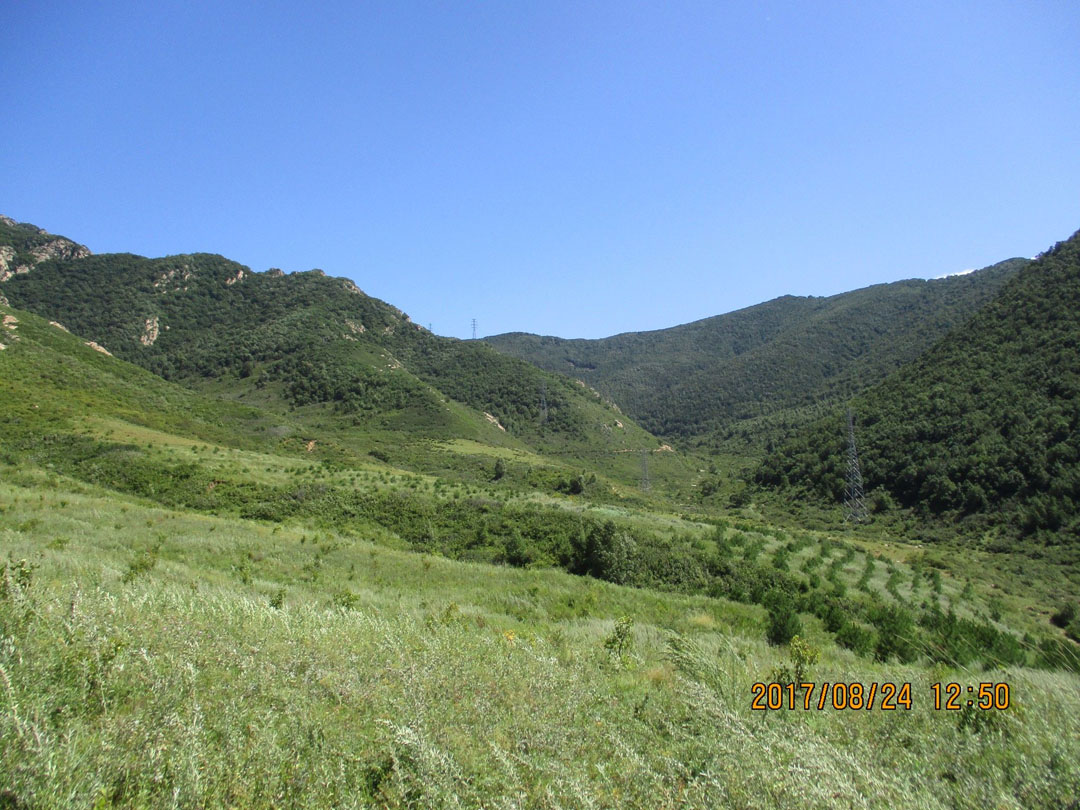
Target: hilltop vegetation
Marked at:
29, 246
744, 378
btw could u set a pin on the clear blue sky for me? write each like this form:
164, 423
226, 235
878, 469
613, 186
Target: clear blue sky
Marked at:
577, 169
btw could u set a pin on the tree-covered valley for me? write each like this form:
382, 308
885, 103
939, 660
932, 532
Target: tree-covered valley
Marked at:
744, 378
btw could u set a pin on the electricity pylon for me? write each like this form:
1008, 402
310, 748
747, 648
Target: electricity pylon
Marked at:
854, 500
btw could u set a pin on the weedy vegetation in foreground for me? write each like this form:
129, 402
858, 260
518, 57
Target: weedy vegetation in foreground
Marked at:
160, 658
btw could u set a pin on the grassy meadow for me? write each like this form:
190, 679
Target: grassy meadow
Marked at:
160, 658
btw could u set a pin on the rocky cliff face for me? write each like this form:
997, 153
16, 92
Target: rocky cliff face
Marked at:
7, 258
29, 246
59, 248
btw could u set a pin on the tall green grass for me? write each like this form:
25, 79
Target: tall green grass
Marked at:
154, 658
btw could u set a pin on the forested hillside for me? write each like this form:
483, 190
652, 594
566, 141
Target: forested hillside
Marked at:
300, 339
774, 361
984, 427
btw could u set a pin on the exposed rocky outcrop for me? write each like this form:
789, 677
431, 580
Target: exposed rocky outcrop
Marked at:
150, 331
7, 256
59, 248
174, 280
13, 261
10, 323
494, 421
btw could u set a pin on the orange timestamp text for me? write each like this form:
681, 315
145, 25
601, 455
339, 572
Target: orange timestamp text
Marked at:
886, 696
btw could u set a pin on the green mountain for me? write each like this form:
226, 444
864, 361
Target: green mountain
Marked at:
76, 411
982, 428
750, 375
305, 340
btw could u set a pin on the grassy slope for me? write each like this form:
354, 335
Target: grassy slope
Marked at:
160, 658
771, 360
91, 407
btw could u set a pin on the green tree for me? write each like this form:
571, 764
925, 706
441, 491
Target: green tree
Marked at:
784, 622
610, 553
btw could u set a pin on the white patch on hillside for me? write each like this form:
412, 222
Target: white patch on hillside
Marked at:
957, 273
10, 323
173, 279
150, 331
7, 253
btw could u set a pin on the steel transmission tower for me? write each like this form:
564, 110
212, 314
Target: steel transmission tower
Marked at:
474, 328
854, 500
543, 403
645, 485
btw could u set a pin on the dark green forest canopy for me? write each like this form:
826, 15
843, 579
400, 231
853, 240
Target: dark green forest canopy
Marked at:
983, 427
780, 358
